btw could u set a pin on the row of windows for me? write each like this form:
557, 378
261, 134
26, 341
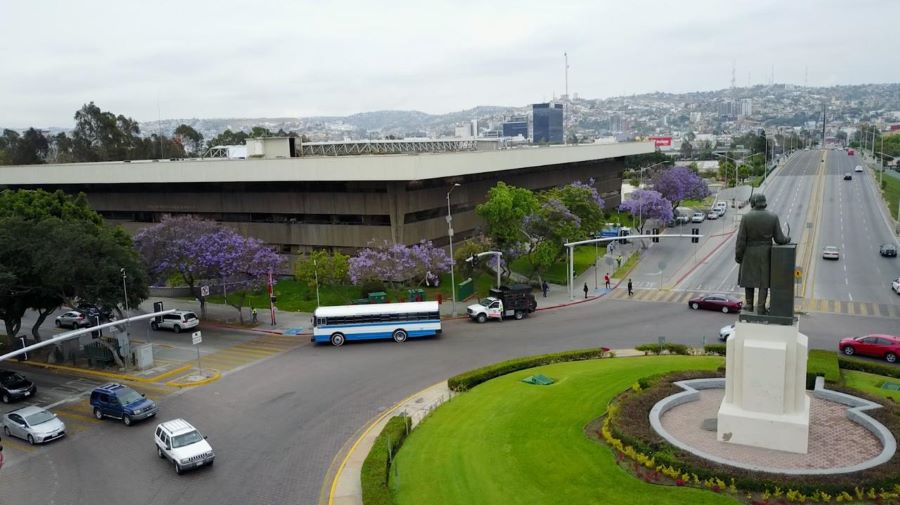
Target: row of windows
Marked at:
424, 215
258, 217
376, 318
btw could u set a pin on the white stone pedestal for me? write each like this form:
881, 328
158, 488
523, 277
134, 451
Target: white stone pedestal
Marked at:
765, 402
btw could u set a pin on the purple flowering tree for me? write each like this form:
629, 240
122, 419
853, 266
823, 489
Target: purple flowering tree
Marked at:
646, 204
198, 250
582, 200
397, 263
547, 229
680, 183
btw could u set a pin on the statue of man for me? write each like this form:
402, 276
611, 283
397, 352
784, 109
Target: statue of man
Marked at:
759, 227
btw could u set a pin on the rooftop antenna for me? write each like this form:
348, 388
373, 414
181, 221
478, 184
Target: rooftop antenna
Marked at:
159, 126
772, 77
806, 76
732, 74
566, 56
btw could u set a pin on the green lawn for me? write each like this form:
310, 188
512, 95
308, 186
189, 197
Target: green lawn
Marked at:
891, 194
870, 383
584, 258
506, 442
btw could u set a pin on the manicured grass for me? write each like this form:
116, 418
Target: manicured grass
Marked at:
556, 274
825, 363
870, 383
891, 194
507, 442
630, 262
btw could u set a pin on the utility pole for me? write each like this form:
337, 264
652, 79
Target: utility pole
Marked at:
824, 107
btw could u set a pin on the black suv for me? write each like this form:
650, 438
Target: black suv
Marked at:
888, 250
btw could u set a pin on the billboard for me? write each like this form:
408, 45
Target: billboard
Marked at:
662, 141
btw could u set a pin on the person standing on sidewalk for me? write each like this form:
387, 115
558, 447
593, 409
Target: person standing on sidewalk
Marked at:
606, 280
630, 288
254, 315
585, 291
545, 287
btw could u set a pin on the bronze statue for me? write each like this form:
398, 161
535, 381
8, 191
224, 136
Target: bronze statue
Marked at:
753, 248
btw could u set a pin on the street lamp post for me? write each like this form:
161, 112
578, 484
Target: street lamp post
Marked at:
125, 291
640, 185
452, 261
316, 270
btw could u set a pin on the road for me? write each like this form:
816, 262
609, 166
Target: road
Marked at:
277, 425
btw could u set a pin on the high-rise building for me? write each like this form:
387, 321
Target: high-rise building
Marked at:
547, 121
464, 130
747, 107
516, 126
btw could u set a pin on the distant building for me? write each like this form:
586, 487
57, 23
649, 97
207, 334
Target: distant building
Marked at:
727, 109
515, 127
547, 121
747, 107
465, 130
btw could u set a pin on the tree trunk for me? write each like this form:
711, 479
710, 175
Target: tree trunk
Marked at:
42, 316
13, 325
115, 353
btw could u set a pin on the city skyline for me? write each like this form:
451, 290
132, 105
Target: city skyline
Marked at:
219, 60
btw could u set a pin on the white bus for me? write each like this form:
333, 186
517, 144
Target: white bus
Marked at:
399, 321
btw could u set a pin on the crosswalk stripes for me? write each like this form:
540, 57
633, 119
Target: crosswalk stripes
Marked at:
867, 309
248, 352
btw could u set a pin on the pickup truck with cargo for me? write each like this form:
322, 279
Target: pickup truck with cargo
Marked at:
507, 301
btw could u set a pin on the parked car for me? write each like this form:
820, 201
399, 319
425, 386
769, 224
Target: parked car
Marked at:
14, 386
121, 402
858, 168
175, 321
105, 314
896, 286
72, 319
848, 176
726, 332
831, 253
879, 346
723, 303
888, 250
183, 445
34, 424
698, 217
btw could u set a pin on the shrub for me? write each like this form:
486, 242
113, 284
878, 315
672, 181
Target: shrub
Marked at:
472, 378
670, 347
377, 466
864, 365
718, 349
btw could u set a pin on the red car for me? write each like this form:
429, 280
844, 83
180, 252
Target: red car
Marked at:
724, 303
879, 346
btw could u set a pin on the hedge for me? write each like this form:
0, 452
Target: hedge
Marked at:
377, 466
472, 378
671, 347
864, 365
714, 349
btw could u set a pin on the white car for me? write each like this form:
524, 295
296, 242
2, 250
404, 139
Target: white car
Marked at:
34, 424
831, 253
713, 214
183, 445
698, 217
726, 332
176, 321
896, 286
858, 168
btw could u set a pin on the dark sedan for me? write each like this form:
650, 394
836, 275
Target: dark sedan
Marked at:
723, 303
15, 387
886, 347
888, 250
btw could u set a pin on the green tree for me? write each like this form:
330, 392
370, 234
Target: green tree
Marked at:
191, 138
504, 211
687, 150
331, 269
259, 131
228, 138
102, 136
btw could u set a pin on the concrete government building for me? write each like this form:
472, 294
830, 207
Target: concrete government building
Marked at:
333, 195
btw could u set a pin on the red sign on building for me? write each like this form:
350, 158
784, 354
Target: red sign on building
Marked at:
662, 141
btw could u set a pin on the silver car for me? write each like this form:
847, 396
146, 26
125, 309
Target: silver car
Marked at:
72, 319
34, 424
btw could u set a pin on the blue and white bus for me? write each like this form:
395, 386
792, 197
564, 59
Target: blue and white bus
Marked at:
399, 321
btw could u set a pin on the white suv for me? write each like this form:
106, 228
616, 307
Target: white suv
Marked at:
176, 321
183, 445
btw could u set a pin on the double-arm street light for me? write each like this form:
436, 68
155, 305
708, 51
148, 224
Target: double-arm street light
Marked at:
125, 290
450, 235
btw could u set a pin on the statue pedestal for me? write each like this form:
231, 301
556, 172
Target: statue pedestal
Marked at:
765, 402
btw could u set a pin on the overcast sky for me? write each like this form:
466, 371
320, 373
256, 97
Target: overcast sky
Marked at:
227, 58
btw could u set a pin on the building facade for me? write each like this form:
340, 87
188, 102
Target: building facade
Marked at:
514, 128
547, 123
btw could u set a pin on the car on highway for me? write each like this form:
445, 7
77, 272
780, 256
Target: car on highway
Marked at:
726, 332
719, 302
858, 168
831, 253
886, 347
72, 319
14, 386
682, 219
34, 424
121, 402
712, 215
175, 321
895, 286
179, 442
848, 176
888, 250
698, 217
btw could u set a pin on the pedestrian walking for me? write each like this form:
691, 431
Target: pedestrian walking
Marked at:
585, 290
630, 288
253, 315
606, 280
545, 287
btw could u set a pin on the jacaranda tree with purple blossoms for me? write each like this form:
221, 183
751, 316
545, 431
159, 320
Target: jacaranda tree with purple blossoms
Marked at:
645, 205
397, 263
198, 250
680, 183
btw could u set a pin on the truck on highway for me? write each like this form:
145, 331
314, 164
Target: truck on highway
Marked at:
507, 301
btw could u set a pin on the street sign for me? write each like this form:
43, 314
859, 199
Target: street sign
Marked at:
196, 338
204, 290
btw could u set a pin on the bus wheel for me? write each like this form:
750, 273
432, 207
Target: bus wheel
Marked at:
519, 315
337, 339
400, 336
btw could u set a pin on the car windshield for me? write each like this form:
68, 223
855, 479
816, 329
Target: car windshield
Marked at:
128, 396
11, 379
191, 437
39, 417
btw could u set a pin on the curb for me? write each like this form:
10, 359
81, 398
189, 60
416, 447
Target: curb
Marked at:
112, 375
214, 377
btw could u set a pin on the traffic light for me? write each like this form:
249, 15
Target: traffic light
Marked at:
158, 307
696, 232
655, 235
274, 299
